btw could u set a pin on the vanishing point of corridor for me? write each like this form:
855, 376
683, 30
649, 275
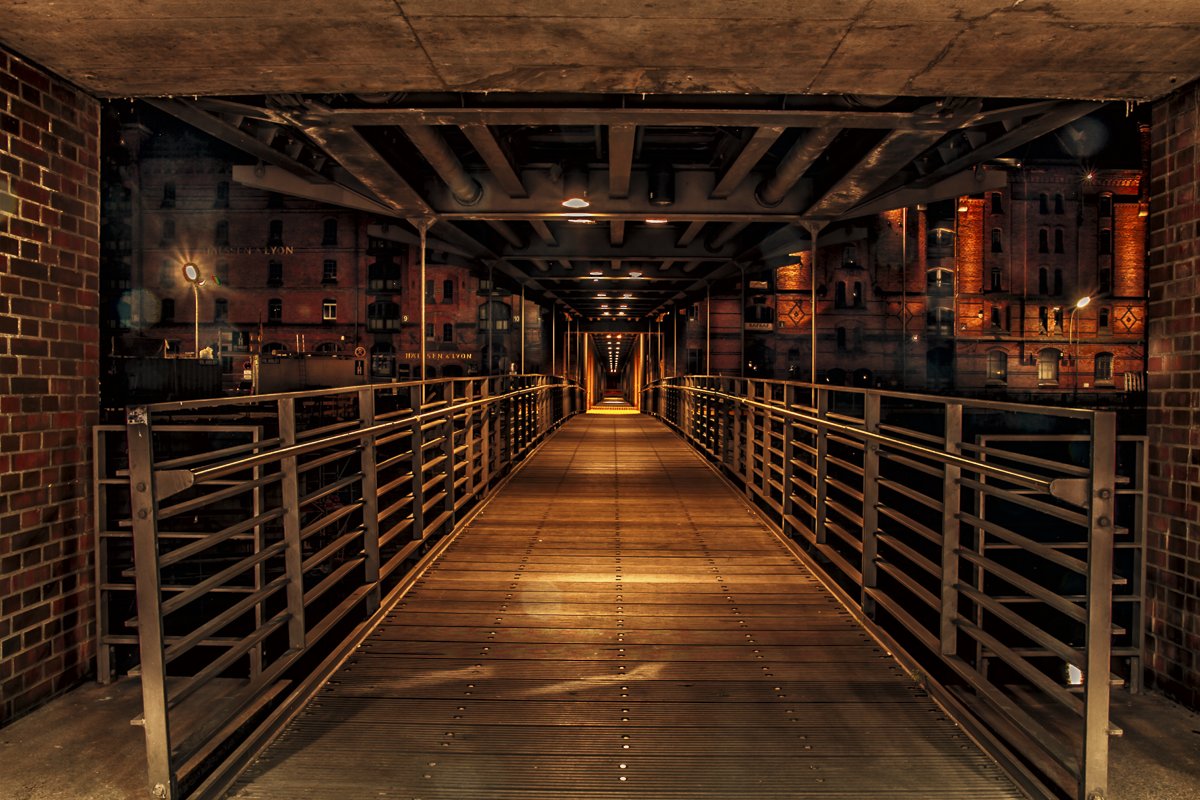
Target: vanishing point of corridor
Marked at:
617, 623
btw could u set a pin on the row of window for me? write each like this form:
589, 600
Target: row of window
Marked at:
329, 236
1048, 360
1104, 204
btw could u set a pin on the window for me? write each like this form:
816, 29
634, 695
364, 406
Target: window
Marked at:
1058, 281
1058, 204
429, 331
275, 273
1043, 281
1104, 367
996, 279
275, 311
383, 316
429, 298
497, 319
997, 366
221, 234
997, 244
220, 310
995, 316
1058, 319
1058, 240
275, 233
1043, 204
384, 276
326, 348
856, 299
1105, 280
168, 198
1043, 319
1104, 318
1044, 240
168, 231
447, 291
447, 332
329, 236
167, 310
1106, 242
329, 310
1105, 206
222, 200
839, 295
841, 340
940, 320
850, 255
274, 200
329, 272
273, 348
223, 273
997, 203
939, 282
1047, 362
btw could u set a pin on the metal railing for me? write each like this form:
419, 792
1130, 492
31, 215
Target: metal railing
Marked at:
976, 539
260, 562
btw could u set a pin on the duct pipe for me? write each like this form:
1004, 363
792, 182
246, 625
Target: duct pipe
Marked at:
807, 149
433, 147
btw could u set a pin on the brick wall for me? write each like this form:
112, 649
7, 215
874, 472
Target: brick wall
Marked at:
1173, 535
49, 244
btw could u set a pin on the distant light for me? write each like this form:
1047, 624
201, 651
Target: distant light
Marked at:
192, 274
581, 220
1083, 301
635, 274
963, 207
576, 202
607, 314
1091, 176
657, 221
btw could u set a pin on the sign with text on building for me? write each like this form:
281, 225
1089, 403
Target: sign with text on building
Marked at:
760, 326
280, 250
441, 356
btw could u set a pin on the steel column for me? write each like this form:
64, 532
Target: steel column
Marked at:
951, 506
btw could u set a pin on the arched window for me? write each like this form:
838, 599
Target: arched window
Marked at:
498, 318
1043, 281
997, 203
329, 271
995, 316
167, 310
220, 309
1048, 365
329, 237
168, 198
1106, 242
1105, 206
1104, 318
1058, 240
997, 366
273, 348
1058, 204
997, 242
447, 332
1043, 204
1043, 319
222, 200
383, 275
1058, 281
274, 311
839, 295
447, 291
221, 234
168, 231
1104, 367
329, 310
1058, 318
996, 275
939, 282
1043, 240
275, 273
841, 340
275, 233
850, 255
856, 299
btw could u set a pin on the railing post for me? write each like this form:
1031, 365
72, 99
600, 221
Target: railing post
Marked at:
485, 433
417, 466
293, 556
448, 451
370, 496
149, 604
787, 472
822, 465
469, 438
870, 507
951, 506
1102, 501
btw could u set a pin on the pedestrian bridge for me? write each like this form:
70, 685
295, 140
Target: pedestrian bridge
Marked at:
470, 588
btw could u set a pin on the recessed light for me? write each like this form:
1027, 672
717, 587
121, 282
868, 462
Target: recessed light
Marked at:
595, 272
656, 221
635, 274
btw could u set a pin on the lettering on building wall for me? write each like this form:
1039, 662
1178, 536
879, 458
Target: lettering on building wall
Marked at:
282, 250
441, 356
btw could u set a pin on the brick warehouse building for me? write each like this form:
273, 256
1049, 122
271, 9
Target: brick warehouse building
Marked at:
283, 276
49, 255
987, 284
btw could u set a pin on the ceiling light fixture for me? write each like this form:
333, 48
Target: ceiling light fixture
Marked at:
575, 185
657, 221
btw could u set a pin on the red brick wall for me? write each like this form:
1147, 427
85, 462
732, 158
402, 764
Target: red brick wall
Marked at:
49, 247
1173, 534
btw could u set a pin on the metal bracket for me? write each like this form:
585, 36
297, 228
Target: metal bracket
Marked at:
1072, 490
168, 482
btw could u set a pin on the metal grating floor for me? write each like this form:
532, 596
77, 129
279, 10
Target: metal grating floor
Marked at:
617, 624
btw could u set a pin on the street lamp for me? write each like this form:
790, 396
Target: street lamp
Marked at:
191, 274
1080, 303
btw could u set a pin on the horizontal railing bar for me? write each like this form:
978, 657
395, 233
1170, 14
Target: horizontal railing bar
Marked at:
911, 463
884, 601
917, 590
200, 545
227, 659
325, 491
243, 606
911, 554
1022, 458
992, 490
926, 500
209, 455
322, 555
1027, 544
308, 466
166, 512
931, 438
1034, 589
1022, 666
910, 524
203, 587
1024, 626
325, 520
336, 615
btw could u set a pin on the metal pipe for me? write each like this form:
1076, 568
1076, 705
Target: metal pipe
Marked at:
795, 163
423, 228
445, 163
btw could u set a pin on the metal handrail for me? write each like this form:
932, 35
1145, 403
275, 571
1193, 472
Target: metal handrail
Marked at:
331, 510
895, 499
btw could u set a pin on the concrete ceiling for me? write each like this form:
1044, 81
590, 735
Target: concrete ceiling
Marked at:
1083, 49
768, 120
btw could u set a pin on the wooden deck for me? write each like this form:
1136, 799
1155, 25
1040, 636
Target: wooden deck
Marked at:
617, 624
